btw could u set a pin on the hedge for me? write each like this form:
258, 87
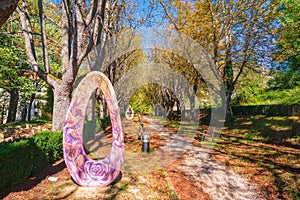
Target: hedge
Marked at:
24, 157
51, 143
269, 110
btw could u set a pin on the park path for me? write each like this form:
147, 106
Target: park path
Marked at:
199, 166
189, 171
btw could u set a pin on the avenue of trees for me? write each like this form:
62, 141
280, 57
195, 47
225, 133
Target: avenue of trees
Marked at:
253, 44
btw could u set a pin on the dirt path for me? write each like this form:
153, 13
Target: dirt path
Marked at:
212, 177
178, 168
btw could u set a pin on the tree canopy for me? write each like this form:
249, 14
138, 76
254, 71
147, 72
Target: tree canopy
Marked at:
243, 39
288, 45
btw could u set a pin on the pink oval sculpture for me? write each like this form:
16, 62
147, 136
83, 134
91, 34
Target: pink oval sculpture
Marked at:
84, 170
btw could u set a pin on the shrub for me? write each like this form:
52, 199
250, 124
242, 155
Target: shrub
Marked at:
21, 158
18, 160
51, 143
103, 123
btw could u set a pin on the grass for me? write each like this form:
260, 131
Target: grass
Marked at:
145, 185
265, 150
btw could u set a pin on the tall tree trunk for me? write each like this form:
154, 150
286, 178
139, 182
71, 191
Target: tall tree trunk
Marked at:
228, 113
229, 86
2, 113
24, 113
13, 105
80, 33
182, 110
30, 106
62, 99
101, 101
192, 106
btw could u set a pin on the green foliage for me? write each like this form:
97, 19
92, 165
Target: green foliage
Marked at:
285, 80
143, 99
21, 158
14, 70
288, 45
140, 103
259, 96
18, 160
248, 95
251, 85
289, 35
255, 89
13, 66
51, 143
285, 96
103, 123
48, 107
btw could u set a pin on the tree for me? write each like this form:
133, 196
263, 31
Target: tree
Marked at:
196, 82
14, 73
250, 86
288, 44
237, 34
83, 25
4, 98
7, 7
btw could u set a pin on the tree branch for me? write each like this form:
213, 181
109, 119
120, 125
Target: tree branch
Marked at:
81, 26
96, 32
26, 28
66, 35
169, 16
245, 59
44, 37
91, 13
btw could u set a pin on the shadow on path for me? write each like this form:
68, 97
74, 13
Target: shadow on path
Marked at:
35, 180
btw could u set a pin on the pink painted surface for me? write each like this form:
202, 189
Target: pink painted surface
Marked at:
84, 170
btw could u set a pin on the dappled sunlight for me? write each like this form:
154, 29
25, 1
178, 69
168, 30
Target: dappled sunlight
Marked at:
269, 155
281, 128
247, 123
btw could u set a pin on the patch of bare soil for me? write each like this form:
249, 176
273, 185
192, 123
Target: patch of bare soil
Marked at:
183, 185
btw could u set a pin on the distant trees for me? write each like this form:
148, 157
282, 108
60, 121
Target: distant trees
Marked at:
250, 87
236, 34
14, 73
288, 45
